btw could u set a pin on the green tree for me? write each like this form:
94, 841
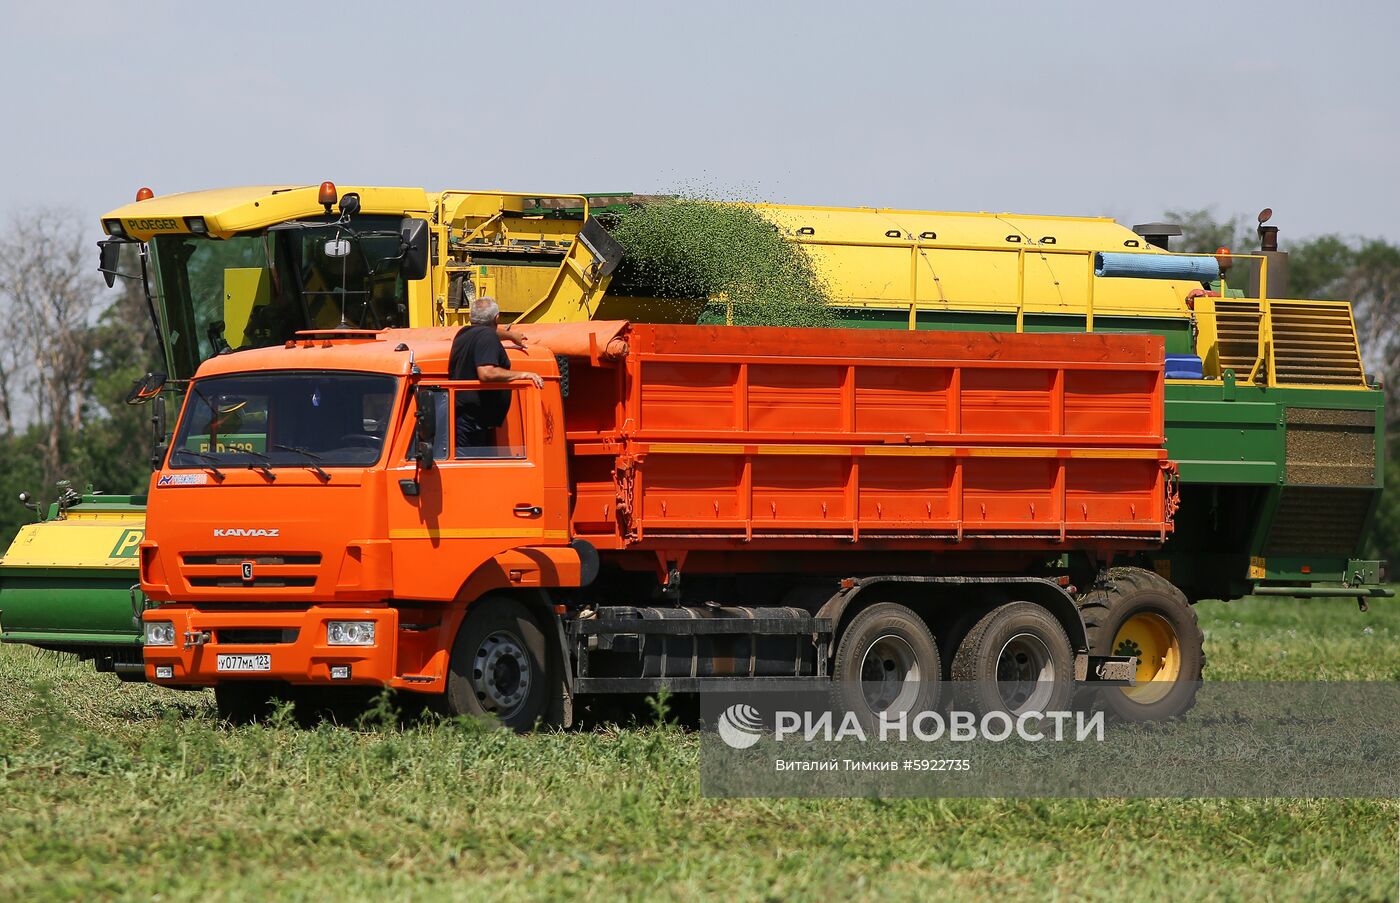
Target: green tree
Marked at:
69, 351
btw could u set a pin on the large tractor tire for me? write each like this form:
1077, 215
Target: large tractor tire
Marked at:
499, 667
886, 662
1016, 659
1138, 612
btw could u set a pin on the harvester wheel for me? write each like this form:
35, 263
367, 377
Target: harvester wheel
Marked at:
1138, 612
1016, 659
499, 667
886, 661
244, 701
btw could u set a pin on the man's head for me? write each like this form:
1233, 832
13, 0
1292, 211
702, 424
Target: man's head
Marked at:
485, 311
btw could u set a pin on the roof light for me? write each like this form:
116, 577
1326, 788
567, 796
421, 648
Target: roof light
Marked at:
114, 228
144, 194
327, 195
1222, 257
197, 225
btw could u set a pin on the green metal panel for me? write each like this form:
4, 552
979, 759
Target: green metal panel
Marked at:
1217, 441
57, 639
86, 606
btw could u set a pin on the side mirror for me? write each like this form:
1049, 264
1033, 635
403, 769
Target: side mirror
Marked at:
425, 427
158, 430
146, 388
336, 248
413, 233
109, 255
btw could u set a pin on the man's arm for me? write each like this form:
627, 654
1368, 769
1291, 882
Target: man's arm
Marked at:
506, 334
490, 373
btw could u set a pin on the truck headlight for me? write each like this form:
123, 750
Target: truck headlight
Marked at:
160, 633
350, 633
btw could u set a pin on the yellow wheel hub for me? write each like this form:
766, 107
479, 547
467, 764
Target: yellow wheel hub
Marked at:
1151, 638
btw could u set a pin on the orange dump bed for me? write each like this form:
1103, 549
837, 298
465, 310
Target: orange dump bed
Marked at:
745, 437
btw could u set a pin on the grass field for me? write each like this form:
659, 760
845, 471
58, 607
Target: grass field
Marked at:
112, 791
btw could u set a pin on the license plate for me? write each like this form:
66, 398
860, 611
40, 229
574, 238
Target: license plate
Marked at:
245, 663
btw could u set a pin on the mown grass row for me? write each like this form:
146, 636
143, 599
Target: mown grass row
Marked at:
131, 792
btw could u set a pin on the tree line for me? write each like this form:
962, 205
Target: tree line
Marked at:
70, 349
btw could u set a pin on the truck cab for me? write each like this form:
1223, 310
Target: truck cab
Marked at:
303, 520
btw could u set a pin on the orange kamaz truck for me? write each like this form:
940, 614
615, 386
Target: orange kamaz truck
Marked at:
678, 506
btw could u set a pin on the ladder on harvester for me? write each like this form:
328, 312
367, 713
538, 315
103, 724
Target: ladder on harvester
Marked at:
1304, 342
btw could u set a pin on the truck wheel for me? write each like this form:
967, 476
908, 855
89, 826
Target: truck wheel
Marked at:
1138, 612
887, 661
244, 701
1016, 659
499, 667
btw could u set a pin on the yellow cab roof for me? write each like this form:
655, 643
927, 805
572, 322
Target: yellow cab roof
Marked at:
227, 211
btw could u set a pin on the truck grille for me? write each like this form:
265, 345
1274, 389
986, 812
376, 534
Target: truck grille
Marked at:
237, 560
257, 636
238, 581
224, 570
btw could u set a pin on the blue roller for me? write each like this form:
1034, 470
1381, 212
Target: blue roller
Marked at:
1197, 268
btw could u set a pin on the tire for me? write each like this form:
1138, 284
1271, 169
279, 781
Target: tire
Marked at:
886, 662
500, 667
1016, 659
245, 701
1138, 612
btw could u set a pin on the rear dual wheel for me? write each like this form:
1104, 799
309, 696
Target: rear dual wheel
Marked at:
1016, 659
886, 664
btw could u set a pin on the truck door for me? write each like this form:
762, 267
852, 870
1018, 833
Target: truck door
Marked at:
484, 494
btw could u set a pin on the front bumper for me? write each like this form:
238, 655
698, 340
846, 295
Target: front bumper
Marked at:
301, 655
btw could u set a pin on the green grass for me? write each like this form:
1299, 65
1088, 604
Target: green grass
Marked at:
113, 791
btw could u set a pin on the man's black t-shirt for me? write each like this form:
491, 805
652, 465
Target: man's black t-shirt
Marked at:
478, 346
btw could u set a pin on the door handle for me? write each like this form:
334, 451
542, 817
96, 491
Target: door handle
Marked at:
528, 511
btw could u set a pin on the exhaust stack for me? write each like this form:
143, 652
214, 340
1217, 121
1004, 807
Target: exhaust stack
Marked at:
1277, 260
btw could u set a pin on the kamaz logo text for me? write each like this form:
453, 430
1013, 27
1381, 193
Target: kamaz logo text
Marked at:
240, 531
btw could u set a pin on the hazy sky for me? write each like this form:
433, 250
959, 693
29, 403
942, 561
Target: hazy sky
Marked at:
1117, 109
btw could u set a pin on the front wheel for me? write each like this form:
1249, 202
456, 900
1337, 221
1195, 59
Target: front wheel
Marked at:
886, 664
499, 667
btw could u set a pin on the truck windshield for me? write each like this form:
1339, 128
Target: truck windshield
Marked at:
259, 288
279, 419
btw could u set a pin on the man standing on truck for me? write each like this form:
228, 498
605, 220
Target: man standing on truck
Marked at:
477, 353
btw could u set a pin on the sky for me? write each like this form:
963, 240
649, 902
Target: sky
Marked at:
1123, 110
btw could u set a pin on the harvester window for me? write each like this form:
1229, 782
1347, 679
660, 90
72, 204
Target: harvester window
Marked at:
257, 289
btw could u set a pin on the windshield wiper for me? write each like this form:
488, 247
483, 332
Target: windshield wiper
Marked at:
259, 463
210, 461
311, 459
